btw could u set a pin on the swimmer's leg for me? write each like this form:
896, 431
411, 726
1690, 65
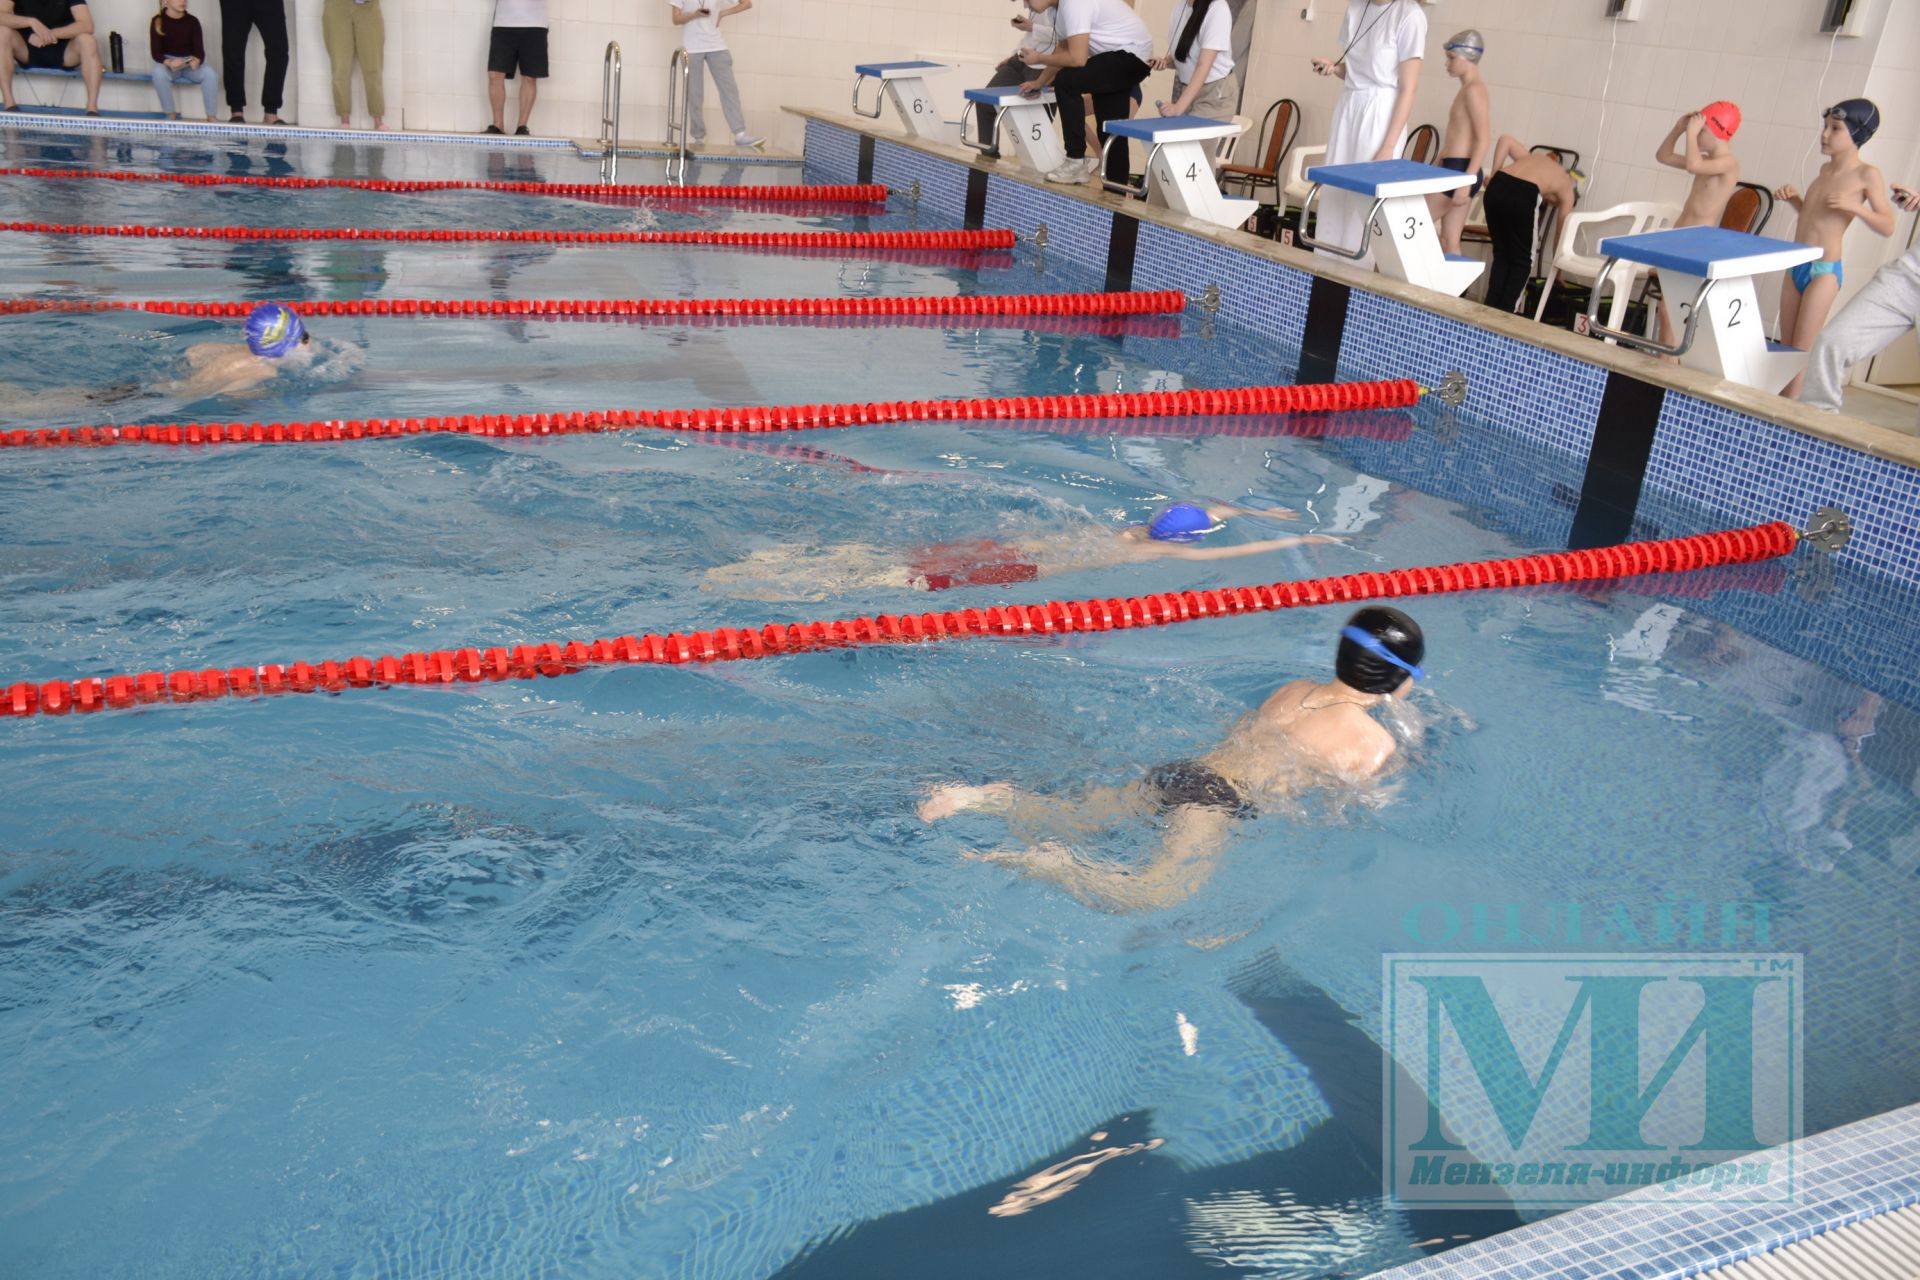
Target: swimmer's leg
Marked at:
1093, 810
1188, 854
1809, 318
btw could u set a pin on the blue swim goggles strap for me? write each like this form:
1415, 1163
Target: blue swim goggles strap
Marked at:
1373, 646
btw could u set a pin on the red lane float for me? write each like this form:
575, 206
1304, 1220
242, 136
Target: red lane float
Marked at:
1015, 305
852, 193
524, 662
1232, 401
995, 238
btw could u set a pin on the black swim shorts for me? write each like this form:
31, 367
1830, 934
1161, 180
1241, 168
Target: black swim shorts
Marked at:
1184, 782
518, 48
54, 56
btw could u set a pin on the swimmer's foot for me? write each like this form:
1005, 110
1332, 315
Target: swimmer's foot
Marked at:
950, 798
1044, 860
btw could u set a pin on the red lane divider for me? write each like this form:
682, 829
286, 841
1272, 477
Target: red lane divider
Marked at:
524, 662
1014, 304
998, 238
1318, 398
858, 193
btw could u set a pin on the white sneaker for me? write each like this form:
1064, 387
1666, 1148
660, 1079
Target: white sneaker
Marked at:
748, 140
1073, 172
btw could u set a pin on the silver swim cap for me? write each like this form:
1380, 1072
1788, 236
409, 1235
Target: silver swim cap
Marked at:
1469, 44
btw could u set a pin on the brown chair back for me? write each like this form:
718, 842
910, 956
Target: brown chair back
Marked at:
1748, 209
1282, 126
1422, 144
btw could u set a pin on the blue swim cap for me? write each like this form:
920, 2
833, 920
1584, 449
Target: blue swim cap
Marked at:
1181, 522
273, 330
1860, 116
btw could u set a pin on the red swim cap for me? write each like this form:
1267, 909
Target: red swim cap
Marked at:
1723, 118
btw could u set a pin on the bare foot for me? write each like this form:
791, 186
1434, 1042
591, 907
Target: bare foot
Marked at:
270, 118
345, 123
379, 125
950, 798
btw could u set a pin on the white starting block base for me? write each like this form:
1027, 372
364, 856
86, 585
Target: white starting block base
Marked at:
1179, 168
1035, 139
1706, 276
904, 84
1400, 234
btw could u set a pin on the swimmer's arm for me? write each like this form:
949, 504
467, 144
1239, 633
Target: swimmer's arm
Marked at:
1702, 166
1218, 511
1479, 126
1506, 151
1879, 212
1666, 155
1182, 551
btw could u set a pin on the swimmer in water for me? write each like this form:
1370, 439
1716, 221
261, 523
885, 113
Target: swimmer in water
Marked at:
1307, 734
784, 573
276, 343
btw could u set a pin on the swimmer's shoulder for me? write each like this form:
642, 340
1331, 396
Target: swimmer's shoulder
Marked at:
1357, 745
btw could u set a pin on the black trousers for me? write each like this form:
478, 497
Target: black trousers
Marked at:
1109, 79
237, 19
1511, 206
1012, 71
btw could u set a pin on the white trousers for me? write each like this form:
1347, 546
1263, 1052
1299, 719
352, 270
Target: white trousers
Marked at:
1360, 121
1885, 309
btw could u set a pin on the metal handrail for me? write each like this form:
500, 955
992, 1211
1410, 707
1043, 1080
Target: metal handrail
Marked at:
878, 102
1127, 188
679, 68
1301, 237
1636, 341
610, 113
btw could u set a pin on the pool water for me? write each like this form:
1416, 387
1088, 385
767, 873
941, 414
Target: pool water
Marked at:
653, 971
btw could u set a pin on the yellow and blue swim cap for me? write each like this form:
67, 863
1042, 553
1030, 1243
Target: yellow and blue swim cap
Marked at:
273, 330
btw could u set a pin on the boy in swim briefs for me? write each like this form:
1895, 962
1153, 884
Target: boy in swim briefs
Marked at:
1708, 157
1306, 734
1469, 135
1846, 188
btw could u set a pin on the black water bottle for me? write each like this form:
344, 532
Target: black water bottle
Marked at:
116, 52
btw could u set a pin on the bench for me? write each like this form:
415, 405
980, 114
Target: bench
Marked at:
905, 85
1034, 138
73, 73
1708, 274
1400, 230
1179, 166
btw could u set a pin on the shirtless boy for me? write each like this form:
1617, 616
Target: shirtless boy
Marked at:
1521, 180
1708, 156
1469, 132
1847, 188
1306, 734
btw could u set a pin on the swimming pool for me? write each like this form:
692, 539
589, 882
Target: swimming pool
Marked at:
653, 970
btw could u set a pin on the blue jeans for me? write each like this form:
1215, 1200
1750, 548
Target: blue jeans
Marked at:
164, 78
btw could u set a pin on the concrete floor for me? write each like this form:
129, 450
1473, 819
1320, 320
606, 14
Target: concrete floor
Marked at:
1873, 405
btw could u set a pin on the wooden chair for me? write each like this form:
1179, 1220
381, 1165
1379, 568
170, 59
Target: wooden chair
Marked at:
1423, 145
1278, 129
1748, 209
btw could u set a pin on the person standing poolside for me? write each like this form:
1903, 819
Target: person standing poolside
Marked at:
237, 19
1307, 735
1521, 180
1469, 134
354, 31
1200, 55
1847, 188
1102, 56
707, 52
54, 34
1887, 308
516, 46
1382, 44
180, 57
785, 573
1038, 34
1708, 156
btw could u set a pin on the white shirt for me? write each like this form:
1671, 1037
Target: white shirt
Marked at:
1394, 33
702, 34
1042, 38
1108, 25
1216, 33
519, 13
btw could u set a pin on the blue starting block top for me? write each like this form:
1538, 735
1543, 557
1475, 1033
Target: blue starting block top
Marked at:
897, 70
1382, 179
1710, 253
1007, 95
1171, 129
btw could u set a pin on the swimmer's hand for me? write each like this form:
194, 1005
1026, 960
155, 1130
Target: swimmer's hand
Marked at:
1031, 89
1907, 198
1788, 193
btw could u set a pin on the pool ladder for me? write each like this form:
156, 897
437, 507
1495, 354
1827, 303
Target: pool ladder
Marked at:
610, 113
678, 72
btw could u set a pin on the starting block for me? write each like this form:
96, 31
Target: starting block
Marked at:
1034, 138
1707, 274
1400, 231
905, 85
1179, 169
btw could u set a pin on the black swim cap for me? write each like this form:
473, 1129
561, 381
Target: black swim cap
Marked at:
1371, 673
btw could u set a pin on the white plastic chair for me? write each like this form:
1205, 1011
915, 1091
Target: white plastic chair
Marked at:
1223, 149
1295, 192
1569, 261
